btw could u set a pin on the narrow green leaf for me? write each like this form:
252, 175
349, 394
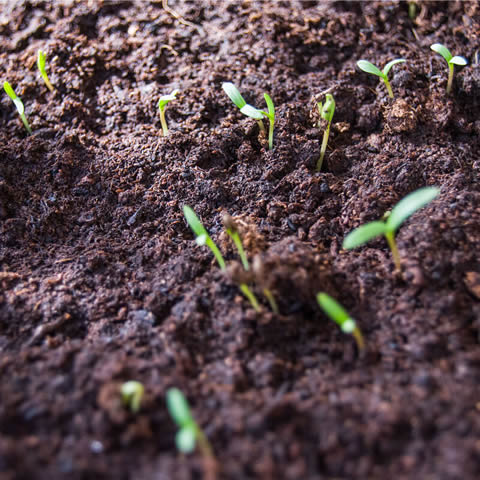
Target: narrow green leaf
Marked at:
369, 68
251, 112
162, 103
336, 312
389, 65
232, 91
363, 234
41, 62
9, 91
194, 222
270, 106
457, 60
442, 50
409, 205
185, 440
178, 407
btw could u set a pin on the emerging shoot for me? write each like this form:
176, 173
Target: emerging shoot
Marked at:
402, 210
162, 104
235, 96
340, 316
132, 394
326, 112
41, 67
451, 61
202, 236
18, 103
383, 74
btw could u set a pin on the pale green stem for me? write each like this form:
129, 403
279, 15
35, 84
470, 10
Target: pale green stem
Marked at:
357, 334
261, 125
250, 296
216, 252
450, 78
270, 136
25, 122
238, 243
389, 88
47, 82
390, 236
323, 149
271, 300
164, 123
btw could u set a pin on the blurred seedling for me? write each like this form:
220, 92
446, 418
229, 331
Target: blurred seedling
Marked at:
18, 103
391, 222
383, 74
326, 110
235, 96
162, 105
132, 394
451, 61
341, 317
41, 60
262, 279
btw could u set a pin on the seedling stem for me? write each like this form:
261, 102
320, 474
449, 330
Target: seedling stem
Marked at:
18, 103
41, 67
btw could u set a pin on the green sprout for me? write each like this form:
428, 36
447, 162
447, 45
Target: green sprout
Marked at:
235, 96
383, 74
18, 103
41, 67
162, 104
202, 236
451, 61
132, 394
388, 227
326, 112
189, 434
341, 317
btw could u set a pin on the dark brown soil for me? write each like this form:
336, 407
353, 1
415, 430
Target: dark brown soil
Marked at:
101, 281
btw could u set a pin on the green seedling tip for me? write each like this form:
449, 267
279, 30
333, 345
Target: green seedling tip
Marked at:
41, 60
341, 317
451, 61
162, 104
201, 234
18, 104
326, 110
132, 394
368, 67
388, 227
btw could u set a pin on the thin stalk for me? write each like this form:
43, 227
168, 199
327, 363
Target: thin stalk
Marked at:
323, 149
390, 236
450, 78
238, 243
250, 296
206, 450
164, 123
25, 122
270, 136
389, 88
261, 125
271, 300
216, 253
47, 82
357, 334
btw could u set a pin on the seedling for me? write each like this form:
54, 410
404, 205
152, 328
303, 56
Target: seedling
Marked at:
451, 61
388, 227
202, 236
18, 103
41, 67
132, 394
235, 96
341, 317
189, 434
326, 112
162, 104
383, 74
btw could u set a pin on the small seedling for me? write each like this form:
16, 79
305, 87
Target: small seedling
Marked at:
388, 227
451, 61
341, 317
162, 105
326, 112
132, 394
18, 103
383, 74
235, 96
202, 236
41, 67
189, 434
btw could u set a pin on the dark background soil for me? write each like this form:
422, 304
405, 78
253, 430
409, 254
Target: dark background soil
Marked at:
101, 281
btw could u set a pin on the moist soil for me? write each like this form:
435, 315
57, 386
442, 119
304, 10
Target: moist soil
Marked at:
102, 282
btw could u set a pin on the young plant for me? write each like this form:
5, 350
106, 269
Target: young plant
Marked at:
235, 96
162, 104
340, 316
18, 103
383, 74
451, 61
41, 67
132, 394
326, 110
388, 227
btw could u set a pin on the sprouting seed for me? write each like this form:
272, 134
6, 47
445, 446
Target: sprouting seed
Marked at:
132, 394
235, 96
341, 317
383, 74
189, 434
202, 236
326, 110
18, 103
162, 104
451, 61
388, 227
41, 67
